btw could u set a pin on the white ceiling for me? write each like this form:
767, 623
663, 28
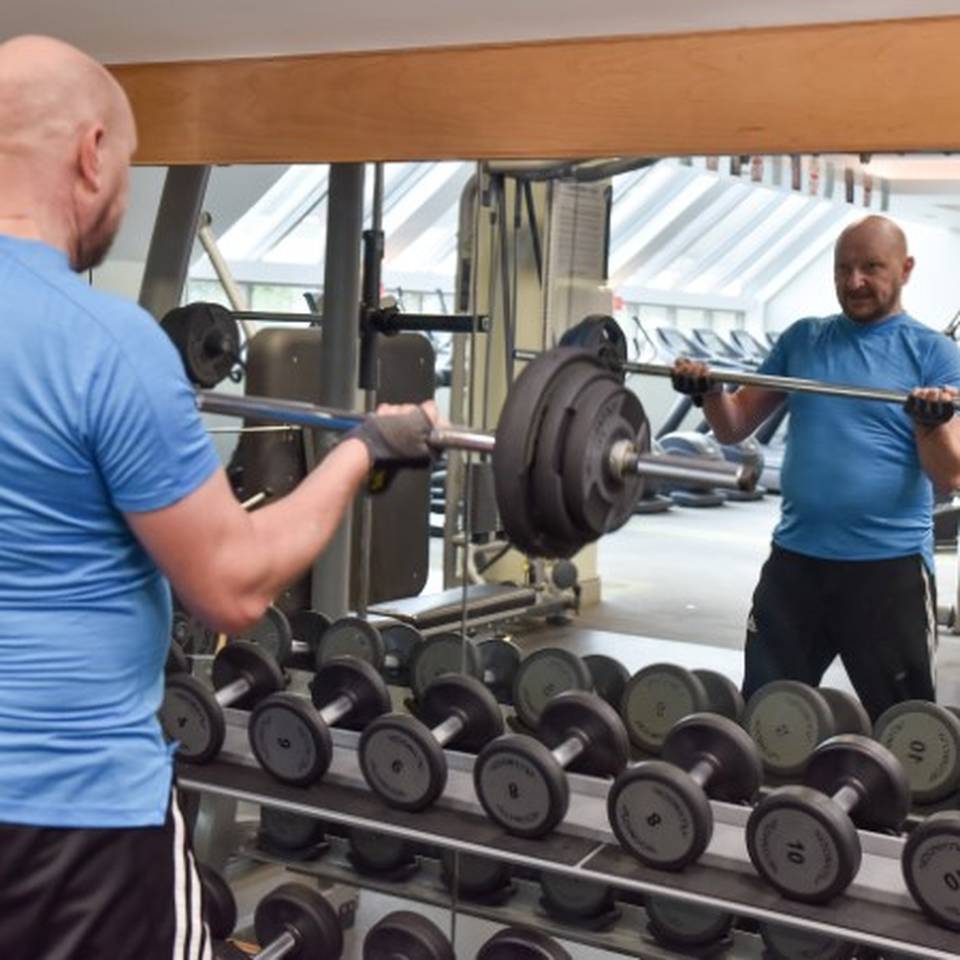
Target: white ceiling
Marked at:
136, 30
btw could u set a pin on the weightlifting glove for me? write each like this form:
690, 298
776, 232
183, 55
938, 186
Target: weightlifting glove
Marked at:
394, 440
929, 413
694, 386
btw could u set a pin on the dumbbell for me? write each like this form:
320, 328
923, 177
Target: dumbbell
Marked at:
189, 633
291, 738
791, 943
295, 836
295, 922
380, 854
541, 676
438, 656
657, 697
931, 867
659, 809
402, 757
925, 738
802, 839
219, 904
403, 935
499, 662
788, 719
293, 640
609, 677
388, 645
684, 925
521, 781
486, 879
522, 943
572, 899
177, 661
243, 674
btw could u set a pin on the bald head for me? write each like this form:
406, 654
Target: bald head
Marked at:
66, 137
871, 265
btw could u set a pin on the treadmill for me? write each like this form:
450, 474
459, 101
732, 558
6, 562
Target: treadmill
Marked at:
749, 346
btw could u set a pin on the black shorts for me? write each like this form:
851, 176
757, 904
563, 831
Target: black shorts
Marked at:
100, 894
878, 616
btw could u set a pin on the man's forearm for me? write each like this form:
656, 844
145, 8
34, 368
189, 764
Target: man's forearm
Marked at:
939, 451
725, 417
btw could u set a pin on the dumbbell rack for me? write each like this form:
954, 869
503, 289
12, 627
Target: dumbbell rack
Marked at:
876, 911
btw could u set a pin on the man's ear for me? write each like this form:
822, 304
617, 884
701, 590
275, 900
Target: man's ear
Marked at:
908, 268
89, 159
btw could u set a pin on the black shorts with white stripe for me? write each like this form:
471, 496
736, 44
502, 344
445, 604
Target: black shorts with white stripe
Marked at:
101, 894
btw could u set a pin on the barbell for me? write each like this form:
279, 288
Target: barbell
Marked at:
570, 454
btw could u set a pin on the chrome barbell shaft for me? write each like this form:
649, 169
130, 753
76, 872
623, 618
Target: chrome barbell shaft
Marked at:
764, 381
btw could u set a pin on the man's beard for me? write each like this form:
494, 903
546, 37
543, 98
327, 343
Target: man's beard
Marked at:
94, 244
878, 309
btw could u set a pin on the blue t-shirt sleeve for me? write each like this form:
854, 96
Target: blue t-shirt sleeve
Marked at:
148, 439
775, 363
941, 367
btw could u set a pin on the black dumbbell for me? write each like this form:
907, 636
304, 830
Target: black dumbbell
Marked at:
684, 925
388, 645
291, 738
931, 867
791, 943
522, 943
486, 879
925, 738
219, 904
541, 676
499, 662
571, 899
295, 922
439, 656
802, 839
521, 781
177, 661
788, 719
189, 633
402, 757
659, 809
403, 935
380, 854
294, 836
610, 678
657, 697
243, 674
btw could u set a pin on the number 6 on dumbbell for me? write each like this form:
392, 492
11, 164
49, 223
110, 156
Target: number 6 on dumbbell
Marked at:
291, 738
521, 781
193, 715
402, 758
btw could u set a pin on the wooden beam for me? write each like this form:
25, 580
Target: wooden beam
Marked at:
877, 86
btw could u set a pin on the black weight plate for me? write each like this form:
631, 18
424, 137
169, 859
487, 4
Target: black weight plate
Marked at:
573, 898
242, 660
931, 867
355, 679
678, 923
599, 502
723, 695
734, 759
516, 445
544, 674
600, 334
657, 697
191, 715
297, 907
272, 632
402, 762
207, 337
285, 830
289, 739
219, 904
787, 720
307, 627
189, 633
522, 943
499, 663
803, 844
791, 943
609, 678
848, 713
352, 637
475, 877
446, 653
378, 852
851, 759
467, 698
925, 738
521, 786
607, 749
177, 661
400, 642
403, 935
660, 815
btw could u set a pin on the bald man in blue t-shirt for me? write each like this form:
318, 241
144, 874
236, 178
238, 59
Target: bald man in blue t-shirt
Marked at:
851, 570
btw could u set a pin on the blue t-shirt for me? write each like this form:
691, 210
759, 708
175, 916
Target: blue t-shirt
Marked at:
852, 484
96, 418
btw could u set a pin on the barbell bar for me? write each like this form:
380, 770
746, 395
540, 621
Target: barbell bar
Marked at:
763, 380
570, 454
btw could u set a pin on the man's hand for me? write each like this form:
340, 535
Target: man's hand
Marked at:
693, 378
398, 433
931, 406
